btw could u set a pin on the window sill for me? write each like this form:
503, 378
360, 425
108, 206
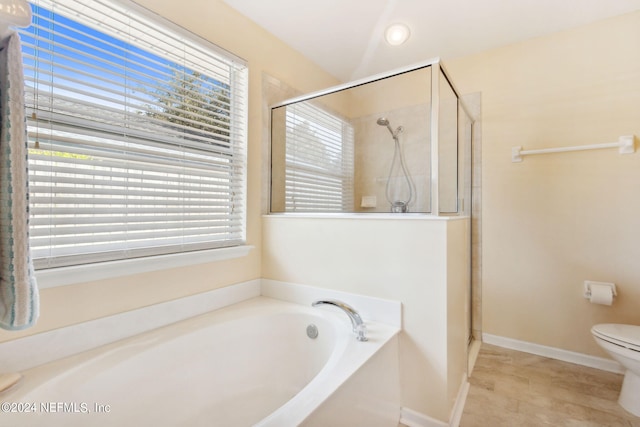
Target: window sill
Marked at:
62, 276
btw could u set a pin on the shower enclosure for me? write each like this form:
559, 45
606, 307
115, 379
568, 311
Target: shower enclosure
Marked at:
396, 142
370, 193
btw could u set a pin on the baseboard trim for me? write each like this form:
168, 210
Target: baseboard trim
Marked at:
461, 399
555, 353
474, 350
411, 418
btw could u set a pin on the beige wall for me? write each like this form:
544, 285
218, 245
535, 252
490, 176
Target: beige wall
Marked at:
555, 220
458, 305
215, 21
422, 262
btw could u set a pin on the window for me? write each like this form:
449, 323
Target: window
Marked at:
137, 135
318, 161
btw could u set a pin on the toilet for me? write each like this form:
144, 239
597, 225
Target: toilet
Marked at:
622, 342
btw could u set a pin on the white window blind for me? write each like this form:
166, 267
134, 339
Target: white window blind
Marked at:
137, 135
319, 161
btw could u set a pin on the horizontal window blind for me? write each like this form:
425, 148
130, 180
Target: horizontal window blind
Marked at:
319, 161
137, 136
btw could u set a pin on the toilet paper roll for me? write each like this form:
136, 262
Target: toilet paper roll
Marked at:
601, 294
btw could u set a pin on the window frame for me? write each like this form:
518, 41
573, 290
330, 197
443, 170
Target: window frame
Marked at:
94, 270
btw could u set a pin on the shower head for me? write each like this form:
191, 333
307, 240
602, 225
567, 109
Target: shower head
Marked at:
383, 121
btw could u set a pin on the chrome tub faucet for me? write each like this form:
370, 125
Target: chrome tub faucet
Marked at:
359, 328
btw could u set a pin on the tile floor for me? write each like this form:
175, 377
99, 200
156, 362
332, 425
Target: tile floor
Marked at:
511, 388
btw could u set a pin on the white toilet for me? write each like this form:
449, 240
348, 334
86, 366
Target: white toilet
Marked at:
622, 342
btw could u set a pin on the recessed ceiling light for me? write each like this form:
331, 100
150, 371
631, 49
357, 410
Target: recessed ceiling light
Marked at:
396, 34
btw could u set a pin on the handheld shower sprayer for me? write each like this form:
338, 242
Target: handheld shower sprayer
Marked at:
383, 121
397, 205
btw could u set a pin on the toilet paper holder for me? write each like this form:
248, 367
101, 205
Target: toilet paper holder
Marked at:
588, 283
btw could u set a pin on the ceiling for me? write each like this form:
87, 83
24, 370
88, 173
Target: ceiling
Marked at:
345, 37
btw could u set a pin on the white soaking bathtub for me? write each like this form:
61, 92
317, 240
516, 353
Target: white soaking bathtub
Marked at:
249, 364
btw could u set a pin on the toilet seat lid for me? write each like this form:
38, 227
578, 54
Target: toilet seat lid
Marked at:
623, 335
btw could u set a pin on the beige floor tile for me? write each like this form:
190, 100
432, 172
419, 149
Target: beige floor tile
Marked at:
511, 388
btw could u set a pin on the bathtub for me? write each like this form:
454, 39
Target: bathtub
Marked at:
249, 364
